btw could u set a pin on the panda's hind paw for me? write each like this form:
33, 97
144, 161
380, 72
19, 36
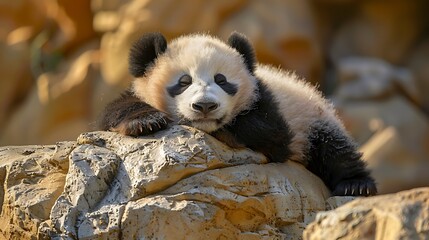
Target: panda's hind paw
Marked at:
356, 187
143, 125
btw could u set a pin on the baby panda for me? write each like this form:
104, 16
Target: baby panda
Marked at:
218, 87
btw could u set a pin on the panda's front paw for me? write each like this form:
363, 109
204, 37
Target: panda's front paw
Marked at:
356, 187
143, 125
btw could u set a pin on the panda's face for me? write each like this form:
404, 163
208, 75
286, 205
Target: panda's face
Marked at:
204, 101
200, 82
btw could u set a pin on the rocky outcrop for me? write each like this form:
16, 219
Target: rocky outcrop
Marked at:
404, 215
31, 179
177, 184
371, 95
371, 55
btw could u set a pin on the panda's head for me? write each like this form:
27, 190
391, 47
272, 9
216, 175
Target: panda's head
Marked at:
197, 79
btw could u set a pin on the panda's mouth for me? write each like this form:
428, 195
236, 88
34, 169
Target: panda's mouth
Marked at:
207, 120
205, 124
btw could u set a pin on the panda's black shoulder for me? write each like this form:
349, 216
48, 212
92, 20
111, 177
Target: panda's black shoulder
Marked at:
262, 127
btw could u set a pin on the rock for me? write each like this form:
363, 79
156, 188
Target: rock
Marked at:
404, 215
61, 106
192, 179
283, 33
368, 78
419, 65
16, 83
178, 183
21, 13
107, 5
74, 20
106, 21
393, 134
380, 30
363, 119
395, 165
31, 179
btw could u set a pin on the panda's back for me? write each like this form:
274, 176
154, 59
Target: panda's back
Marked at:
299, 103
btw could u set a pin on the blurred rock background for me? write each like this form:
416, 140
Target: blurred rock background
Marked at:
62, 61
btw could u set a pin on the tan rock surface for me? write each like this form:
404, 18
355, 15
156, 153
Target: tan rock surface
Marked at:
404, 215
379, 29
180, 183
395, 164
60, 105
20, 13
31, 179
419, 64
16, 77
370, 78
393, 134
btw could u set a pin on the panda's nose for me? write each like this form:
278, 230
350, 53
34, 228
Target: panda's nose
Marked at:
205, 107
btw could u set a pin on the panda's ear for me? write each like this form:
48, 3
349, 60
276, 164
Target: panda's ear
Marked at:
144, 52
240, 43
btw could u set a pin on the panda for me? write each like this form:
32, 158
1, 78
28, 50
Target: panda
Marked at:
218, 87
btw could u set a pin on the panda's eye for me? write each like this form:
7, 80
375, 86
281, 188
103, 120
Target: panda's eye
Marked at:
220, 79
185, 80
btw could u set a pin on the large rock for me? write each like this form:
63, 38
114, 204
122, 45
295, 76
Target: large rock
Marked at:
21, 13
394, 137
370, 78
179, 183
283, 32
16, 77
381, 29
404, 215
380, 103
419, 65
31, 179
60, 106
396, 164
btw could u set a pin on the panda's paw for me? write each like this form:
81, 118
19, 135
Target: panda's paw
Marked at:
143, 125
356, 187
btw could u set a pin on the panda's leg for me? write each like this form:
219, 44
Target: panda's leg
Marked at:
333, 156
130, 116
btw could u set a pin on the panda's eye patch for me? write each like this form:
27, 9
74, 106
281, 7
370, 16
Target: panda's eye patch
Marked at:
228, 87
182, 84
220, 79
185, 80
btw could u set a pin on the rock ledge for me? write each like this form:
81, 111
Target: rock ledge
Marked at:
177, 184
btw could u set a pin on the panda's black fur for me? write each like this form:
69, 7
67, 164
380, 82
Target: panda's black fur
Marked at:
330, 154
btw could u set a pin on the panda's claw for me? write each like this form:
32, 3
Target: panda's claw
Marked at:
143, 125
355, 187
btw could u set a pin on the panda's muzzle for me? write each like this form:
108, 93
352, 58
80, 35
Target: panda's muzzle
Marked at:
205, 107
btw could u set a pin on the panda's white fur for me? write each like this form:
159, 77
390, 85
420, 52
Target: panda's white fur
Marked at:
253, 105
300, 104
